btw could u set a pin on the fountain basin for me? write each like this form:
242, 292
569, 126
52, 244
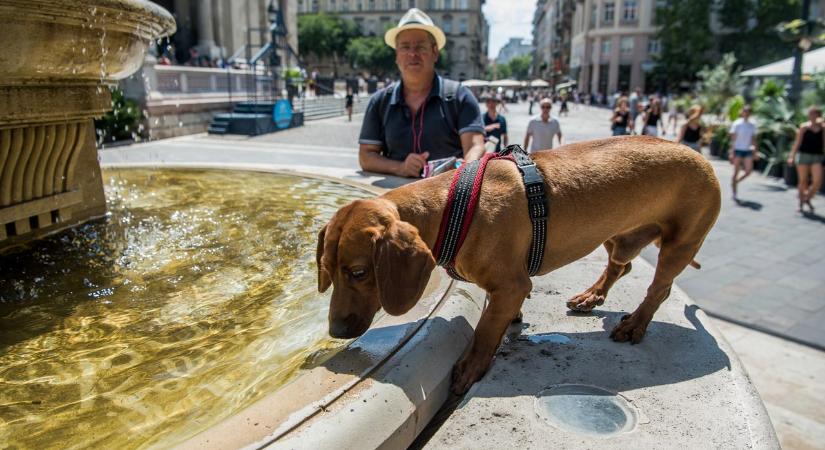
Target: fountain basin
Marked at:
57, 60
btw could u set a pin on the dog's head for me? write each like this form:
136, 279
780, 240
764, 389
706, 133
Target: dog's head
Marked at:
372, 259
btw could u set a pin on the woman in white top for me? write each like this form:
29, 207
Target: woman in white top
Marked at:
743, 147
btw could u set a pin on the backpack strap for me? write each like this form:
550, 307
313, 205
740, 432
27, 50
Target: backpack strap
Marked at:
384, 110
450, 95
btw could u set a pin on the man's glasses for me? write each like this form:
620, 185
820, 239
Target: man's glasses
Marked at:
546, 107
417, 49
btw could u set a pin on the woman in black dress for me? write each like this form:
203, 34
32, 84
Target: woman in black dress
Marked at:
653, 118
691, 133
621, 123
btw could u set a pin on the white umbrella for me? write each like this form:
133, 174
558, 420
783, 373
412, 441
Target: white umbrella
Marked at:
539, 83
506, 83
475, 83
812, 62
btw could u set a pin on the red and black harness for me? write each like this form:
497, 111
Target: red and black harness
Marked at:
462, 201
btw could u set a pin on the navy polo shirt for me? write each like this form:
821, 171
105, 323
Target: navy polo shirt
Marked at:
436, 137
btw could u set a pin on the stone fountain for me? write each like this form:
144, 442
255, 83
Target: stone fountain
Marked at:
58, 58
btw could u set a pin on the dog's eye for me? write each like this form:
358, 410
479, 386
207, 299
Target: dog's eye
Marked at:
358, 273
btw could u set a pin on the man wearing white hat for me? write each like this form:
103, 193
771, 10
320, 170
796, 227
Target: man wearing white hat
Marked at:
424, 116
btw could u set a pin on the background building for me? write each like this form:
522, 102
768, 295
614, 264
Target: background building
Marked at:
514, 47
612, 45
553, 26
461, 20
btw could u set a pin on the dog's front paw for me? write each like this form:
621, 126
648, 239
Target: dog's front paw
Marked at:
632, 328
586, 301
469, 370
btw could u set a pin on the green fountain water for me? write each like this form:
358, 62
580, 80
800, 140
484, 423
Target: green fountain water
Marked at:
192, 299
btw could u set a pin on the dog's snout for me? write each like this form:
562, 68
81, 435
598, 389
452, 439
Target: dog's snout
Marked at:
349, 327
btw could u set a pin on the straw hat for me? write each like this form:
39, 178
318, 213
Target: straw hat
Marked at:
415, 19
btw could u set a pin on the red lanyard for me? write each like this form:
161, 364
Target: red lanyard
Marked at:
416, 148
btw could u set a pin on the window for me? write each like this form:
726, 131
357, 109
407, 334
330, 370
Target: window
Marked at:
447, 25
627, 45
462, 54
360, 5
653, 46
431, 4
315, 6
372, 5
398, 5
594, 14
606, 47
371, 27
629, 10
609, 12
464, 4
345, 5
411, 4
462, 25
448, 4
332, 5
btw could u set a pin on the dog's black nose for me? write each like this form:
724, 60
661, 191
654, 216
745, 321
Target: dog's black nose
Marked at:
347, 328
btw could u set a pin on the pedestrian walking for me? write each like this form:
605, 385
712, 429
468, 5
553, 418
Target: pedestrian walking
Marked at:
672, 114
563, 110
495, 125
743, 147
542, 129
635, 101
808, 154
349, 102
652, 119
621, 123
423, 116
691, 132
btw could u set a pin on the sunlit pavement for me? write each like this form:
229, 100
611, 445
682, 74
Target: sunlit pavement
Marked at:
763, 265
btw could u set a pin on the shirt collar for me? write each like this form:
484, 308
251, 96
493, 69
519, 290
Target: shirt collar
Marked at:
435, 91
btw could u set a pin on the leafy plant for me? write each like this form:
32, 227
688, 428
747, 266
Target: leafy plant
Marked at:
720, 83
122, 122
734, 107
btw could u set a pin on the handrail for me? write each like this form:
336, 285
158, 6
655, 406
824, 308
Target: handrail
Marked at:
237, 54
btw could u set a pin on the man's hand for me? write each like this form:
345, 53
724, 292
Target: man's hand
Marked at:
413, 165
492, 126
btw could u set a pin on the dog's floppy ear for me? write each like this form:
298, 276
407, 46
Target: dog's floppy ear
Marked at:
324, 279
402, 264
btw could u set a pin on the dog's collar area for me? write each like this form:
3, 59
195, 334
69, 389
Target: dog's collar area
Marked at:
462, 200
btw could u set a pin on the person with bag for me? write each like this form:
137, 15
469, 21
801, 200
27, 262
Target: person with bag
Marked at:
691, 132
423, 116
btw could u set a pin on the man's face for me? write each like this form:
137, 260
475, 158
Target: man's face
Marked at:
491, 106
415, 53
545, 109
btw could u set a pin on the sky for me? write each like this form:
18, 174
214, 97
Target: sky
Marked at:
508, 18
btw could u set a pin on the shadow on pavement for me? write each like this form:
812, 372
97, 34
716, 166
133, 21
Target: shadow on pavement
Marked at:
814, 217
756, 206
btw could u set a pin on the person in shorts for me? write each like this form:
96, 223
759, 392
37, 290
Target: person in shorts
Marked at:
743, 147
808, 154
349, 102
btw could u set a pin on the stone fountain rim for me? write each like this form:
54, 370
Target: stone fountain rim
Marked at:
141, 17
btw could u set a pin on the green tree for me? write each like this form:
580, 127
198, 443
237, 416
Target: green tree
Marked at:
685, 40
372, 54
750, 29
325, 36
520, 67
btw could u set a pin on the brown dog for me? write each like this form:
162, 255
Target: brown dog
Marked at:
623, 192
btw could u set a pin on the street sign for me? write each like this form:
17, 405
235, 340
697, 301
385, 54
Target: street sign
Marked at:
282, 113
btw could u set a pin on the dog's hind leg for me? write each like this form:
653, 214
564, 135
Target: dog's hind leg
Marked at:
673, 258
621, 249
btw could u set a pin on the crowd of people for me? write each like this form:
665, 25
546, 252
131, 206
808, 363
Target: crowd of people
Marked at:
424, 118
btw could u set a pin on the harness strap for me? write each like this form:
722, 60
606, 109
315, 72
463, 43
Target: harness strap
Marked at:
462, 200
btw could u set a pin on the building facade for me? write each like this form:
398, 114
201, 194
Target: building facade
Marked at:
461, 20
613, 44
552, 27
513, 48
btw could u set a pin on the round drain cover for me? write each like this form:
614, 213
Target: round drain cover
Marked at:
585, 409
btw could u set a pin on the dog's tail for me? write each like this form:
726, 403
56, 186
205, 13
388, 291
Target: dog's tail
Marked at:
693, 262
